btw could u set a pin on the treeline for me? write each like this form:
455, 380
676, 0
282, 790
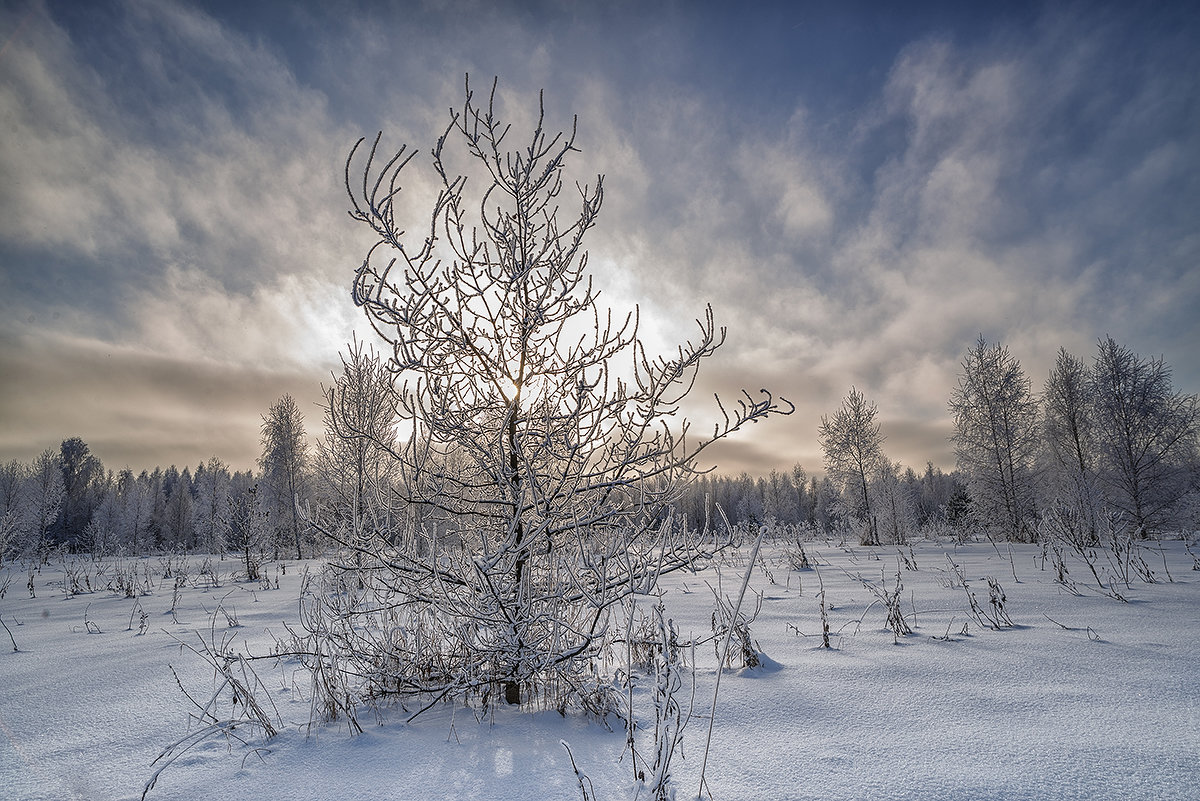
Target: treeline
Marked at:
301, 497
931, 500
1108, 452
66, 499
1107, 448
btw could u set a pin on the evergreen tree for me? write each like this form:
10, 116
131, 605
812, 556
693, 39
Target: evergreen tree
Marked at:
84, 486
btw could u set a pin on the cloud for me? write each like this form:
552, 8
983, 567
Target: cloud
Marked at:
174, 219
986, 213
135, 406
172, 187
292, 322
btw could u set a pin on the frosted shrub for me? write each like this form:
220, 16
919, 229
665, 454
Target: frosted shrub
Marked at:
670, 718
731, 621
796, 557
890, 600
532, 493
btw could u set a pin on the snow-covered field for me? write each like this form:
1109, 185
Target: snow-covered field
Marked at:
1084, 697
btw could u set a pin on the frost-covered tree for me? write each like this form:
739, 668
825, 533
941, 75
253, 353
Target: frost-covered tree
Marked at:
8, 535
544, 470
893, 502
283, 479
804, 501
853, 447
12, 480
137, 505
103, 534
84, 485
749, 506
932, 492
246, 523
1146, 436
177, 508
44, 496
211, 485
781, 498
996, 439
12, 504
354, 465
1073, 502
826, 503
157, 488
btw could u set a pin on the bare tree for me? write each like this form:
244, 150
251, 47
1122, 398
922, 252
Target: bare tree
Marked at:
45, 497
245, 522
354, 468
13, 488
1146, 433
208, 511
283, 464
542, 471
1073, 502
996, 439
894, 504
853, 447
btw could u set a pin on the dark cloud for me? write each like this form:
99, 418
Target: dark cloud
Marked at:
137, 408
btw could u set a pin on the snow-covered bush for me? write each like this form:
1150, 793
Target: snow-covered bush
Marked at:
533, 477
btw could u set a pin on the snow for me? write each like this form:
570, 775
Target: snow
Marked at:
1085, 697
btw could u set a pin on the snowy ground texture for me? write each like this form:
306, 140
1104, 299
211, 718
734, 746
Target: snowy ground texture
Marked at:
1085, 697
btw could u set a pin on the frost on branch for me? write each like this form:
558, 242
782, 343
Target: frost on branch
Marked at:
539, 447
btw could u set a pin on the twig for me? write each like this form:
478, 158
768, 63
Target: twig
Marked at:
588, 791
724, 654
10, 635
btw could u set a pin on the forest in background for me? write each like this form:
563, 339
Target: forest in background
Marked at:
1106, 446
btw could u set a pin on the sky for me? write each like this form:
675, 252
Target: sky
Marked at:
860, 190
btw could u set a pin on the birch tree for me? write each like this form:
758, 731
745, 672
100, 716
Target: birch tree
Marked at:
1074, 500
996, 439
283, 463
1146, 433
853, 447
354, 467
894, 505
539, 439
